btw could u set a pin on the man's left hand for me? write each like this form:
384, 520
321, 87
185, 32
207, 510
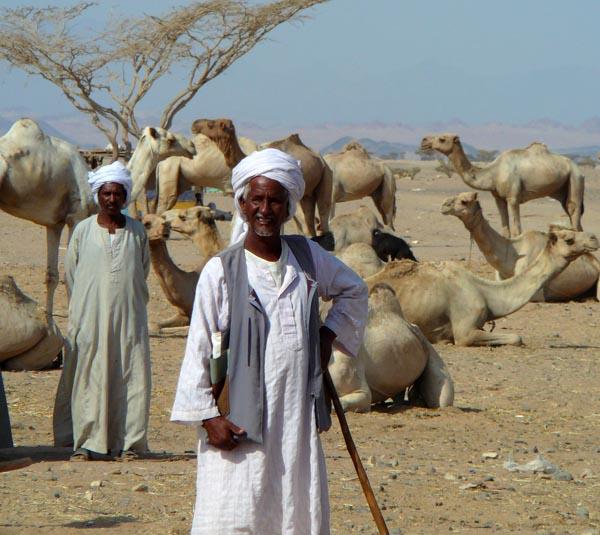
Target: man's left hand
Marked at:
326, 336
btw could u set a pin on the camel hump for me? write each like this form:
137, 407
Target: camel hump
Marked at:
537, 146
355, 146
26, 128
401, 268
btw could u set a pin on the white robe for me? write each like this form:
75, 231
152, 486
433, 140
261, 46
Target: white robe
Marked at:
105, 384
280, 486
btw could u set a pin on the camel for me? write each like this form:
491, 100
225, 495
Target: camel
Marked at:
512, 255
154, 145
518, 176
353, 227
26, 340
357, 175
178, 285
247, 145
448, 302
217, 153
394, 356
361, 258
318, 180
44, 179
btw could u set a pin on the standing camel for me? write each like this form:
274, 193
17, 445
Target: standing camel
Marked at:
154, 145
357, 175
44, 179
317, 179
517, 176
217, 153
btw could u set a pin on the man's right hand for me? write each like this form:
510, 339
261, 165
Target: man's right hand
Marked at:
222, 433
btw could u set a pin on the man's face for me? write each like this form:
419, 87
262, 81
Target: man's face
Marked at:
111, 198
265, 207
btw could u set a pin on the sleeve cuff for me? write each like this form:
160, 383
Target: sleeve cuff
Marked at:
194, 417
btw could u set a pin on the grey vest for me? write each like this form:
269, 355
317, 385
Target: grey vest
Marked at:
247, 336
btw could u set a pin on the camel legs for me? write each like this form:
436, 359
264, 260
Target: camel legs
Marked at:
177, 320
324, 198
52, 242
478, 337
503, 209
515, 217
167, 193
308, 209
384, 198
574, 202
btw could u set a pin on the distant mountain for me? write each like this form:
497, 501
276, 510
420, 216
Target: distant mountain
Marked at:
386, 149
590, 151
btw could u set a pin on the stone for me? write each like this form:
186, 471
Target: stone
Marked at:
140, 487
582, 512
97, 484
562, 475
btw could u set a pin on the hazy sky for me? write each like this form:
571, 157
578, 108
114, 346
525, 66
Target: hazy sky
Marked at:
405, 61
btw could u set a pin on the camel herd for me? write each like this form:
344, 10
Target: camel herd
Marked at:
412, 304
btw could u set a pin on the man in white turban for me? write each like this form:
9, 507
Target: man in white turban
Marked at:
273, 164
103, 399
256, 345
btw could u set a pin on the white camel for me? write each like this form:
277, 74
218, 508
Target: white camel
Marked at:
512, 255
448, 302
44, 179
393, 357
318, 183
357, 175
518, 176
26, 340
154, 146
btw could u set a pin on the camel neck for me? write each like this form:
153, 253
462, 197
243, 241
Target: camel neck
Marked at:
471, 175
208, 242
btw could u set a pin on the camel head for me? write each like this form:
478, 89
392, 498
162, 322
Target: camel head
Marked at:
156, 227
570, 243
443, 143
382, 299
222, 132
355, 146
464, 205
164, 144
189, 221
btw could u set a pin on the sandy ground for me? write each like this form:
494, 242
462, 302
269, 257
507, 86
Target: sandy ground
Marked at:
433, 471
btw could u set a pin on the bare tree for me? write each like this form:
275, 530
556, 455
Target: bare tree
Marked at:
107, 73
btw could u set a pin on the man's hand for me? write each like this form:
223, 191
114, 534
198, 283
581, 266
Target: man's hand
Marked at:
222, 433
327, 336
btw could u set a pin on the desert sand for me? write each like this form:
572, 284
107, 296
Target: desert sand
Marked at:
433, 471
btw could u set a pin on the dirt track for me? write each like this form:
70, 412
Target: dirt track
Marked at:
433, 471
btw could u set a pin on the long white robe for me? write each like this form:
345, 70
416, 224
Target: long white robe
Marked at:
105, 385
280, 486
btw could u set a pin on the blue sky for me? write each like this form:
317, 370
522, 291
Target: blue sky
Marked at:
403, 61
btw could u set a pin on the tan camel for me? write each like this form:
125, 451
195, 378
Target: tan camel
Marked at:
517, 176
217, 153
247, 145
512, 255
44, 179
448, 302
154, 145
361, 258
26, 341
178, 285
394, 356
357, 175
318, 180
353, 227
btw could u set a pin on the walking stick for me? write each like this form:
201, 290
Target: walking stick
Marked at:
358, 466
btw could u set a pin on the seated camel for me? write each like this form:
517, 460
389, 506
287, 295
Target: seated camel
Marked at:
357, 175
448, 302
510, 256
178, 285
393, 357
26, 341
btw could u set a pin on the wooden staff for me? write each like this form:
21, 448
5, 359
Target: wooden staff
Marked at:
358, 466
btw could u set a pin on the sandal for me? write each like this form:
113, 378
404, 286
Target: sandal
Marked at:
129, 455
80, 454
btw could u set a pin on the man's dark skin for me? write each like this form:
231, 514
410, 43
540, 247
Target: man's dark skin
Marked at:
111, 199
265, 209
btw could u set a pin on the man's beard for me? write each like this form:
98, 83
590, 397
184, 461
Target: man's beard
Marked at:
264, 233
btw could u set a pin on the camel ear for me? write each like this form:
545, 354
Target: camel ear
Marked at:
153, 133
456, 139
552, 237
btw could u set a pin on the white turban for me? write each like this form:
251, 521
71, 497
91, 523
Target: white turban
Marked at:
270, 163
115, 172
